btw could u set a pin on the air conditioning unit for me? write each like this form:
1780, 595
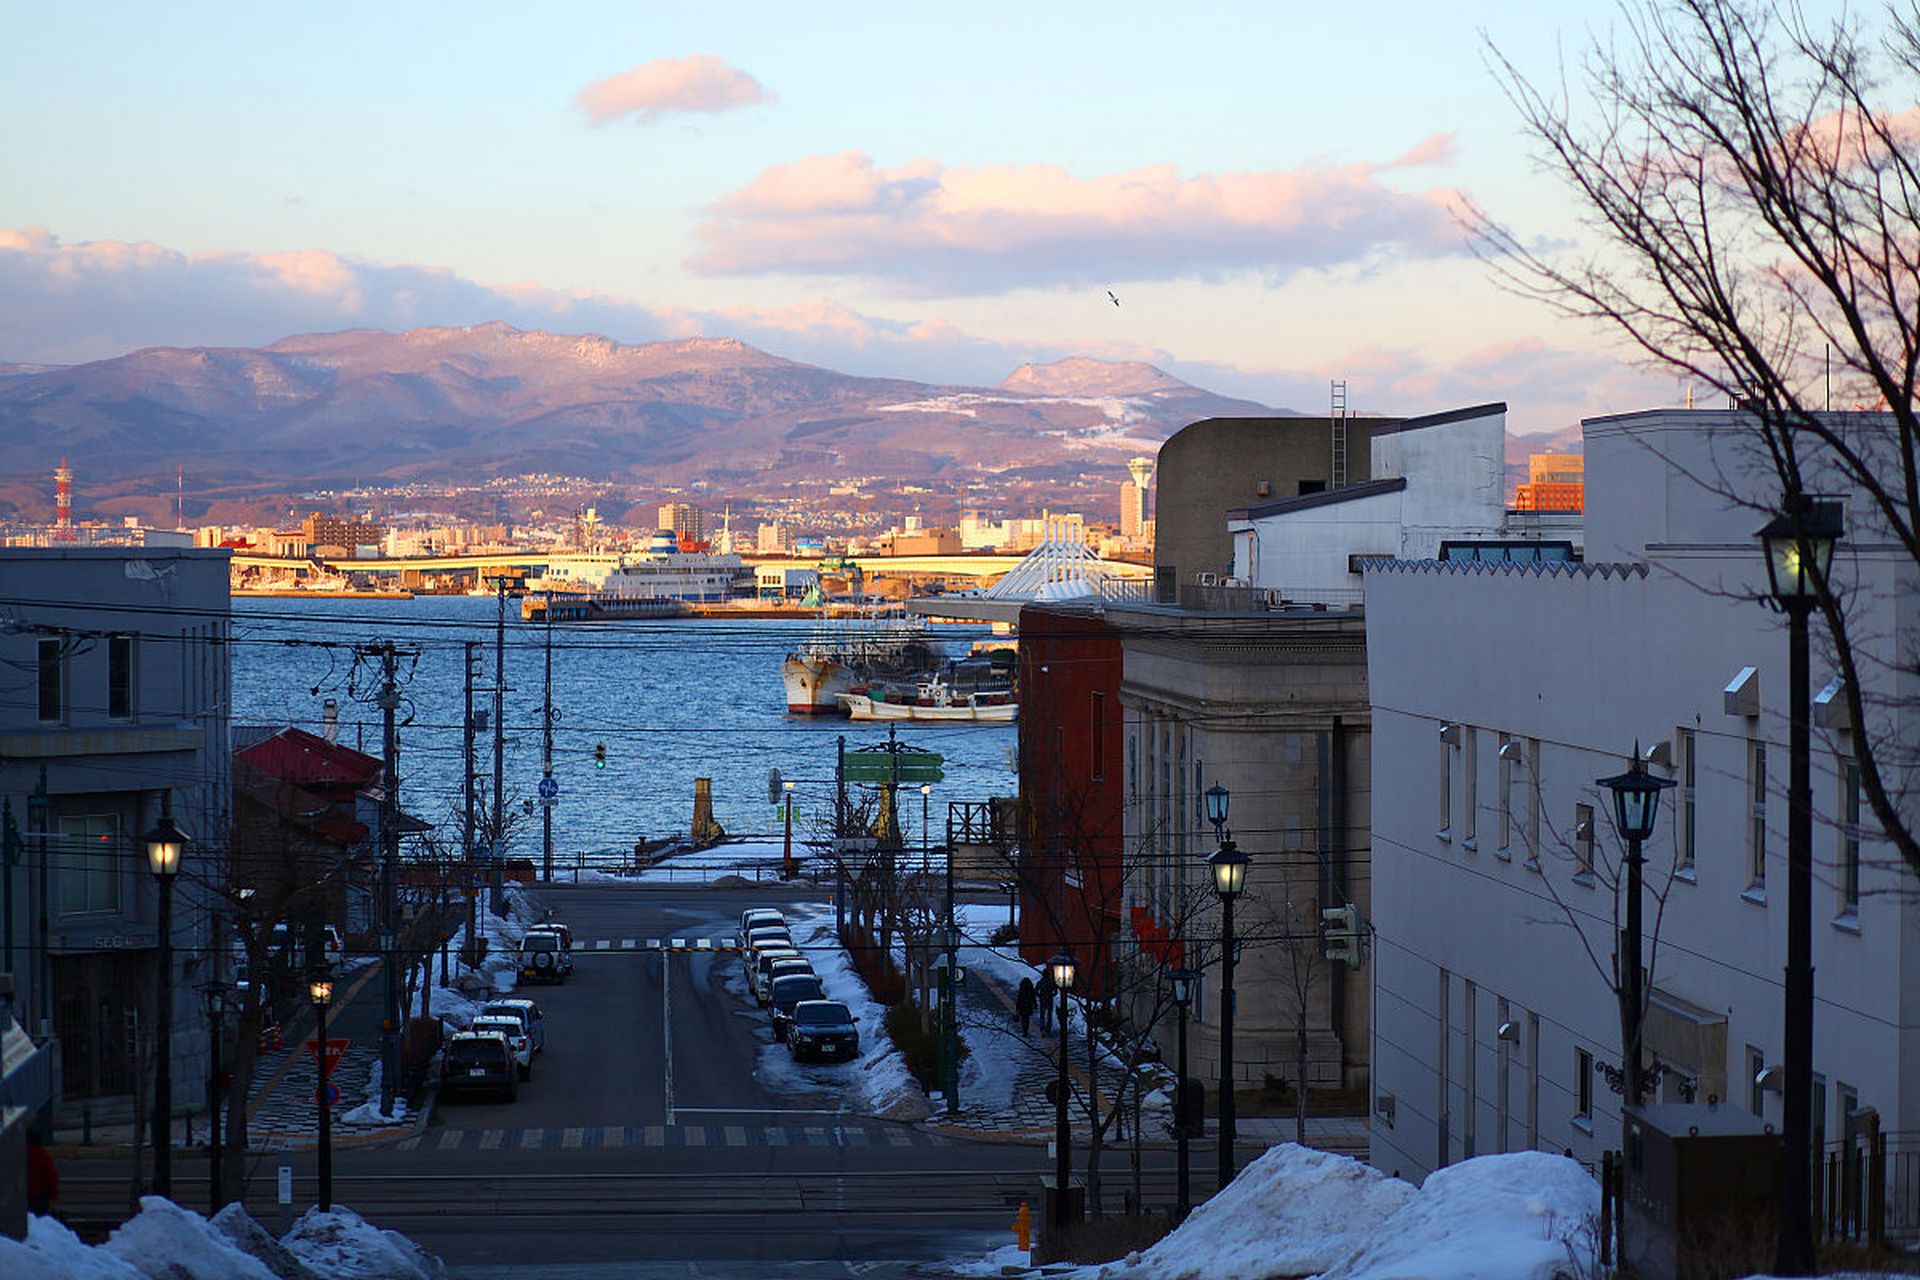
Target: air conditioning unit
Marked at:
1275, 597
1233, 582
1206, 579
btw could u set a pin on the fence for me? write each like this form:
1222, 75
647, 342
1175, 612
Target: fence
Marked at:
1866, 1187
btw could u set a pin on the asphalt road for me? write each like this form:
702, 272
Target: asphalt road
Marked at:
644, 1145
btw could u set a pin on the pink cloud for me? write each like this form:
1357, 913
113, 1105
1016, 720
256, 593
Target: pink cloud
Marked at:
699, 82
931, 229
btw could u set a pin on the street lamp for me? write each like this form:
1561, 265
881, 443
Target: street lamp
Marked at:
1216, 798
1229, 867
217, 994
1799, 548
1061, 970
320, 992
1636, 802
786, 861
1183, 983
165, 844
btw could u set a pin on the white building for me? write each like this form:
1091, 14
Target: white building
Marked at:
1500, 693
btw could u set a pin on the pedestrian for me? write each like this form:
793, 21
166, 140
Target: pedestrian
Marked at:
43, 1180
1023, 1004
1044, 993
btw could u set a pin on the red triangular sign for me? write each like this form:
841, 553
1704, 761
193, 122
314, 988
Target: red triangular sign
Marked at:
336, 1045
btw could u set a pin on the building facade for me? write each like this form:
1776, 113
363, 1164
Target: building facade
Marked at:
1501, 694
117, 712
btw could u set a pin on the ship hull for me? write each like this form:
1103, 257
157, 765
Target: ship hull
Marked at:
814, 685
861, 707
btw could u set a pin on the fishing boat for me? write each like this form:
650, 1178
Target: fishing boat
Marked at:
844, 655
934, 699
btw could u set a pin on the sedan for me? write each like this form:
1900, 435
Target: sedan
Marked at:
523, 1009
516, 1038
478, 1062
788, 991
823, 1029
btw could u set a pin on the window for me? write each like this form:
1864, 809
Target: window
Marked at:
1098, 722
1847, 1099
1757, 819
1583, 842
53, 681
120, 677
1166, 587
1469, 788
1756, 1093
1503, 801
1446, 787
1583, 1086
1684, 835
1470, 1072
1849, 869
90, 863
1819, 1109
1533, 803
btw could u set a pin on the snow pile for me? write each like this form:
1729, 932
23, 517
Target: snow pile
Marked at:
51, 1252
341, 1245
1511, 1217
1293, 1212
368, 1113
257, 1242
164, 1241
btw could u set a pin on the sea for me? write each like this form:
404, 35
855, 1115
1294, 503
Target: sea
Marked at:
671, 700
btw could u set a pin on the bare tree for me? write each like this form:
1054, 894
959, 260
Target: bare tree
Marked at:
1756, 210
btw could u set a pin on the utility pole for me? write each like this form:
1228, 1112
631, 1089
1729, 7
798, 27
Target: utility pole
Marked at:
546, 751
499, 743
470, 657
840, 840
389, 873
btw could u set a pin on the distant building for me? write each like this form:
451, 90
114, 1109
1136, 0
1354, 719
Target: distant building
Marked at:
688, 522
346, 535
1555, 482
773, 539
1133, 510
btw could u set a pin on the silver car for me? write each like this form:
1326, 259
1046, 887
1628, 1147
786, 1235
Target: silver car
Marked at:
516, 1036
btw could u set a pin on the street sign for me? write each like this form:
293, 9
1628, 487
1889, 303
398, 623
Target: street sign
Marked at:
336, 1045
773, 786
330, 1094
876, 764
549, 788
286, 1184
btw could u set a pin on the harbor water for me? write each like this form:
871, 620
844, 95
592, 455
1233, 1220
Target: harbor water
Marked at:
670, 700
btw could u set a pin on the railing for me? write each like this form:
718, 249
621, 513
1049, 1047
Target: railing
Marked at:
1867, 1189
1217, 598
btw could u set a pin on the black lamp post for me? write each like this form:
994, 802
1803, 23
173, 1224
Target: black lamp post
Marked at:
1636, 802
1061, 969
1229, 867
320, 992
1799, 548
165, 844
1182, 983
216, 993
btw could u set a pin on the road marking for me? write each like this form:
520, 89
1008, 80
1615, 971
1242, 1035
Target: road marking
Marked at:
777, 1137
571, 1137
532, 1139
653, 944
490, 1140
656, 1135
736, 1135
855, 1138
450, 1140
693, 1135
898, 1137
679, 944
626, 944
602, 944
666, 1026
409, 1144
816, 1137
703, 944
615, 1135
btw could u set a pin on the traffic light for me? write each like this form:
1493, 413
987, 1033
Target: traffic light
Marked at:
1343, 939
599, 755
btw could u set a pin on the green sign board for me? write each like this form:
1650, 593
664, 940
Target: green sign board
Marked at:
876, 766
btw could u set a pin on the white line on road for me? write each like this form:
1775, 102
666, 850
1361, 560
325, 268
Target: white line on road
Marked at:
666, 1024
678, 943
626, 944
653, 944
602, 944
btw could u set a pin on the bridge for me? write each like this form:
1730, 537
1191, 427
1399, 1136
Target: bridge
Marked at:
492, 563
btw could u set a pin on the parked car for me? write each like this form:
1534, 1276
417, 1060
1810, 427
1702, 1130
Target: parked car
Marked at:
333, 948
762, 935
478, 1062
789, 989
534, 1022
543, 958
762, 962
565, 934
780, 968
560, 927
759, 915
515, 1033
823, 1029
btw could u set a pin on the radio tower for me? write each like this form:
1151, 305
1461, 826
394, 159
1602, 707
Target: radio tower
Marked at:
63, 502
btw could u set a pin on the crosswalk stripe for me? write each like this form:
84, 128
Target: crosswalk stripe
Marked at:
898, 1137
703, 944
450, 1140
679, 943
409, 1144
656, 1135
626, 944
777, 1137
693, 1135
816, 1137
532, 1139
490, 1140
602, 944
653, 944
736, 1135
855, 1138
572, 1137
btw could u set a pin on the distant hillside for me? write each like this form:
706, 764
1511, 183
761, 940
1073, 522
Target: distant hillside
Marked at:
432, 403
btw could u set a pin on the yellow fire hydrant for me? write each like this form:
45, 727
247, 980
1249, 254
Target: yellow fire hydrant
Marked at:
1023, 1228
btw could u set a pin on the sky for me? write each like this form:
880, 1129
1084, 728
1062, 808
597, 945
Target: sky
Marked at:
1270, 190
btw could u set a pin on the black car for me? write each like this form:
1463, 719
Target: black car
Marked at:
788, 991
480, 1062
823, 1029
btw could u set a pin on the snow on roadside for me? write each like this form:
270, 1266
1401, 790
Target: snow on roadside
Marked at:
52, 1252
1293, 1212
368, 1114
341, 1245
164, 1240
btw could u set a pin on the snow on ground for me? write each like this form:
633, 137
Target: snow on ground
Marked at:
1293, 1212
753, 860
876, 1083
368, 1113
165, 1242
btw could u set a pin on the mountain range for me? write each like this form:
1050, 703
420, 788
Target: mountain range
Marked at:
427, 404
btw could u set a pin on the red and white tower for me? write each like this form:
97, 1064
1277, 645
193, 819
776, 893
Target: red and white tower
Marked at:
63, 502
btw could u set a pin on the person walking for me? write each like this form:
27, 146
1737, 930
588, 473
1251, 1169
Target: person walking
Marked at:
43, 1180
1023, 1005
1043, 993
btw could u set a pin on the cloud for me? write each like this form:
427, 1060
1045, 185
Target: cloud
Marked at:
933, 230
699, 82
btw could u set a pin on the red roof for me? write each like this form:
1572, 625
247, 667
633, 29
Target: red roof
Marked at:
309, 760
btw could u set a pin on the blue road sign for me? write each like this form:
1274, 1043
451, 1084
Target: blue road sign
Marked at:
330, 1094
549, 788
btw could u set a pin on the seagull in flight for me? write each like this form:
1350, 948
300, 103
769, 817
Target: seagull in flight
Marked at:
1112, 299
